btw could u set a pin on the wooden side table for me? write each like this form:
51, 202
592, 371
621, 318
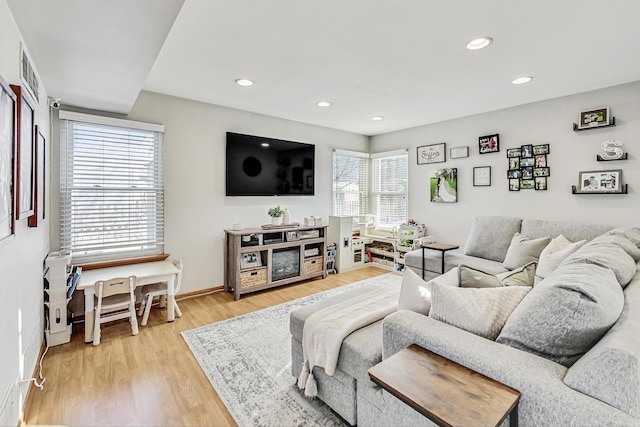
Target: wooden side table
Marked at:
442, 247
447, 393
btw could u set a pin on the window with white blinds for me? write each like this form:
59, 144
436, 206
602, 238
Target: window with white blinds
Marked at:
350, 183
111, 187
373, 185
389, 188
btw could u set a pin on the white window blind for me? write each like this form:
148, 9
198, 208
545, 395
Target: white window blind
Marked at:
350, 183
389, 188
111, 187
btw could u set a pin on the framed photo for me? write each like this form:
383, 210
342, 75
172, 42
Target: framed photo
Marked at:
514, 184
540, 149
25, 157
435, 153
516, 173
459, 152
482, 176
526, 150
250, 260
527, 161
526, 184
594, 118
540, 161
444, 185
541, 172
7, 155
40, 180
541, 183
513, 152
527, 172
514, 163
489, 144
602, 181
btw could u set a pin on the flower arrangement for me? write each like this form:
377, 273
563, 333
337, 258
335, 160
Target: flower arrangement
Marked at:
275, 212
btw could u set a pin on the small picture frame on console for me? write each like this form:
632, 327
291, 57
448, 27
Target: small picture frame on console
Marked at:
250, 260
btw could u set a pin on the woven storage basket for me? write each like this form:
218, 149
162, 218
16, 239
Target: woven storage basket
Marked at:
252, 278
313, 266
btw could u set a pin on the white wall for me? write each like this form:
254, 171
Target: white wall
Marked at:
547, 122
21, 260
196, 208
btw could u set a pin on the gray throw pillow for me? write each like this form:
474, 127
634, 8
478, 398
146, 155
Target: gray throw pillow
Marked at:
523, 276
523, 250
481, 311
565, 314
470, 277
490, 237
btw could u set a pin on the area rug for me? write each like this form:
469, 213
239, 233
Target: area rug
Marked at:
248, 361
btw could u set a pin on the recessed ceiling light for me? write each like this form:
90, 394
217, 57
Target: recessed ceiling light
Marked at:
522, 80
244, 82
479, 43
377, 118
323, 104
265, 144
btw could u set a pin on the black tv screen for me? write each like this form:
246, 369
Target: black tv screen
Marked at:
260, 166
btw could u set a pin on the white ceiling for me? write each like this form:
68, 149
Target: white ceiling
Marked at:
405, 60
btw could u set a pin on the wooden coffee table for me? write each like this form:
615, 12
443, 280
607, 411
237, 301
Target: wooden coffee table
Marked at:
447, 393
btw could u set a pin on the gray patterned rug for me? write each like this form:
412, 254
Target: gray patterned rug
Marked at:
248, 361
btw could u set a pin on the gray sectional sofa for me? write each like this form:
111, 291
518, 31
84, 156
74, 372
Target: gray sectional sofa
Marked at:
597, 384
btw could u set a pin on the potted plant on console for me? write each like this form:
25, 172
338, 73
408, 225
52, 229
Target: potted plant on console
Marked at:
275, 214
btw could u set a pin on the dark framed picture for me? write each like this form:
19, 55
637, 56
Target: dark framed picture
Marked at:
513, 152
489, 144
541, 172
526, 150
25, 157
250, 260
594, 118
482, 176
527, 172
526, 184
514, 184
40, 180
540, 161
527, 161
459, 152
514, 163
541, 183
602, 181
516, 173
8, 125
540, 149
434, 153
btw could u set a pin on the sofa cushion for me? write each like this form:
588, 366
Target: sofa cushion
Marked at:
490, 237
481, 311
554, 253
523, 250
572, 230
565, 314
523, 276
415, 293
612, 251
609, 371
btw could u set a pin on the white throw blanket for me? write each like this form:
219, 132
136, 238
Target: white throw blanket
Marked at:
325, 330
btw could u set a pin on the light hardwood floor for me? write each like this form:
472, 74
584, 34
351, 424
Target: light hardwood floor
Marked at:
152, 378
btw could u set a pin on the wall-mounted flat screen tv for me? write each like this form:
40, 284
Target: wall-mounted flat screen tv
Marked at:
260, 166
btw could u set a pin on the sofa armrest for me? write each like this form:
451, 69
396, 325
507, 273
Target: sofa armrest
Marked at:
545, 398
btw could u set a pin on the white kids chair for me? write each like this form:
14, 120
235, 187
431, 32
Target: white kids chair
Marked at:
115, 299
159, 290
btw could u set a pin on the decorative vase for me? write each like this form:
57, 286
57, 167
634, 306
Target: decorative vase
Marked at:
286, 217
275, 220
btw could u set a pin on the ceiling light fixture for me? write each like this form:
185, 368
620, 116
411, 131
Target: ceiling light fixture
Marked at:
323, 104
522, 80
244, 82
479, 43
265, 144
376, 118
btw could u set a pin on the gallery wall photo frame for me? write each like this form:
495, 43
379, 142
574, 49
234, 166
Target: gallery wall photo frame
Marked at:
482, 176
459, 152
25, 154
8, 126
40, 180
443, 185
600, 181
433, 153
489, 143
594, 118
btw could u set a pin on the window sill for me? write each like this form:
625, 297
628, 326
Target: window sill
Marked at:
116, 263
